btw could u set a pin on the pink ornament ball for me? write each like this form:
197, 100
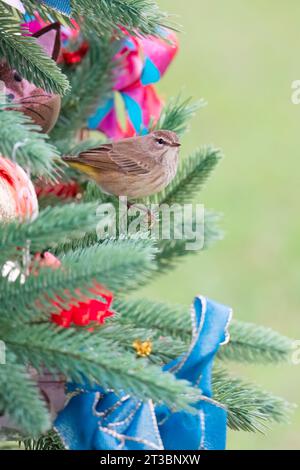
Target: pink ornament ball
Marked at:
18, 198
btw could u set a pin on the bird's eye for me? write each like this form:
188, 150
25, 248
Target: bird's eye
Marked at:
17, 77
160, 141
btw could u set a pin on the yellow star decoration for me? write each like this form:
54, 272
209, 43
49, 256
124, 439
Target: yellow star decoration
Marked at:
143, 348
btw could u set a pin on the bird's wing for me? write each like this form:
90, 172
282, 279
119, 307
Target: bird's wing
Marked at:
114, 157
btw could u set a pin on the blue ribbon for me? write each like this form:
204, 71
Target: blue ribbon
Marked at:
103, 420
62, 6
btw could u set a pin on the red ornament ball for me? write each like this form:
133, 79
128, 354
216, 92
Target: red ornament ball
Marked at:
62, 190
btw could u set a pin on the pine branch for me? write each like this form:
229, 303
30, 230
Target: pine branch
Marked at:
49, 441
91, 83
164, 349
170, 251
190, 178
21, 140
24, 54
256, 344
204, 232
54, 225
88, 240
119, 265
20, 399
142, 16
176, 115
249, 407
47, 13
48, 10
94, 193
136, 16
248, 342
168, 320
85, 357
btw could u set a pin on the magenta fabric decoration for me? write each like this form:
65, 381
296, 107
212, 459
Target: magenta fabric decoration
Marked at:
143, 62
34, 23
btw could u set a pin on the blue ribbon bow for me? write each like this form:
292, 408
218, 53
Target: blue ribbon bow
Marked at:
103, 420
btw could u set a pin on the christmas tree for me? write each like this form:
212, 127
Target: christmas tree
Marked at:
54, 265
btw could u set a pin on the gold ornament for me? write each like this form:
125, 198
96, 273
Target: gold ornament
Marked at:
143, 348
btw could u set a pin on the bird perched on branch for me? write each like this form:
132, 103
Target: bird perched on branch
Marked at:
135, 167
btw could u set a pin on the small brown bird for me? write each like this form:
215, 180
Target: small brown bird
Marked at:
135, 167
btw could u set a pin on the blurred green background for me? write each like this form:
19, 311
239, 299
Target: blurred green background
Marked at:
242, 58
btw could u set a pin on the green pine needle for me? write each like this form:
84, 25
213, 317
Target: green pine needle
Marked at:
256, 344
22, 141
190, 177
49, 441
82, 356
118, 265
54, 225
20, 398
249, 343
136, 16
105, 356
95, 72
164, 349
24, 54
249, 407
176, 115
170, 251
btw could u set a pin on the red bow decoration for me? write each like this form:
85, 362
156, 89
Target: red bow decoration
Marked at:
86, 310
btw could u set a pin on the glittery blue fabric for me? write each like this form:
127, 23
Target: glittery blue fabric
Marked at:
105, 420
63, 6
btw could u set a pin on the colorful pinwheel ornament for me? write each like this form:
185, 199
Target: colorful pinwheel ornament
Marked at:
143, 62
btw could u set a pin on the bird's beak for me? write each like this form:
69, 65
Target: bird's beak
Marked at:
176, 144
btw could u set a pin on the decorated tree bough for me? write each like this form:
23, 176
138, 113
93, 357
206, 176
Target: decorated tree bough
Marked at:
72, 337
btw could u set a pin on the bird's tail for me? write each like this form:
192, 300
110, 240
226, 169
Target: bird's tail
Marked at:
80, 163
